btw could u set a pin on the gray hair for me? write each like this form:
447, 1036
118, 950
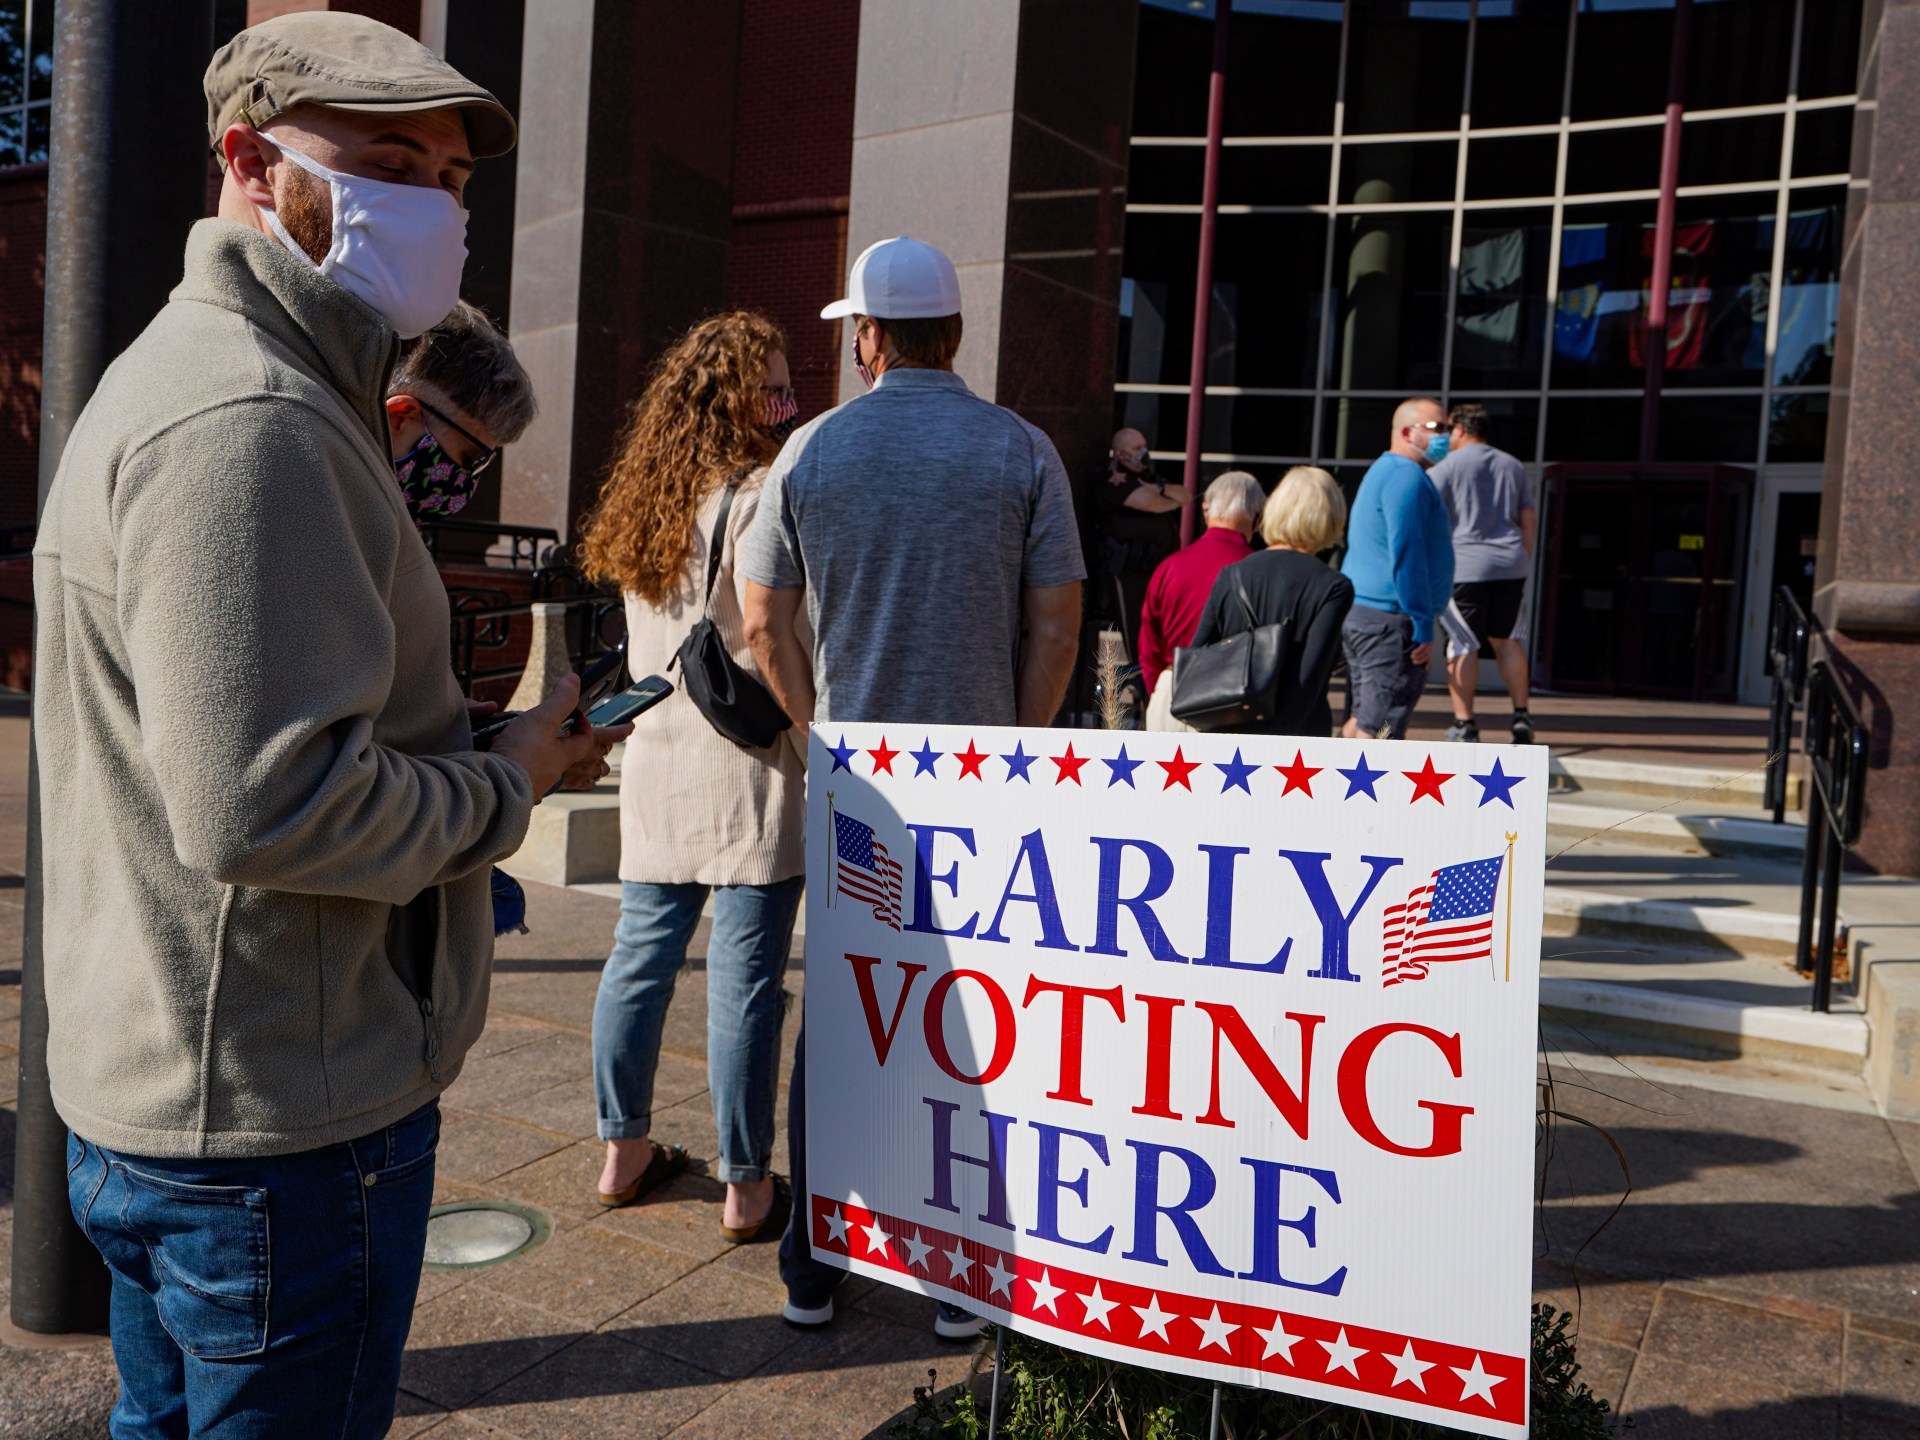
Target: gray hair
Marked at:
468, 360
1235, 497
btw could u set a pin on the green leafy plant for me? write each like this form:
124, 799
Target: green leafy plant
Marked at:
1052, 1394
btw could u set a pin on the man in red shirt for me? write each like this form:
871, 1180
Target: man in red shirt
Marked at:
1178, 591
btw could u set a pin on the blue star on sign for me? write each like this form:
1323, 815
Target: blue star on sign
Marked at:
1122, 769
1018, 762
924, 758
1235, 772
1360, 780
842, 756
1497, 785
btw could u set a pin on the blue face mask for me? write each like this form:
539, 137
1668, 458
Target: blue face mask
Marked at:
1437, 447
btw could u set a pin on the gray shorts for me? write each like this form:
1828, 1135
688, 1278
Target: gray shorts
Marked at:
1385, 684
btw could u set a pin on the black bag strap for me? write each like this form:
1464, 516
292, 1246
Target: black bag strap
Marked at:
1240, 593
717, 545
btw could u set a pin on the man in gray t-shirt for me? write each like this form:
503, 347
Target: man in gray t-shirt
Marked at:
925, 529
1490, 502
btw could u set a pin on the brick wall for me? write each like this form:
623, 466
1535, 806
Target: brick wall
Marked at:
401, 14
792, 168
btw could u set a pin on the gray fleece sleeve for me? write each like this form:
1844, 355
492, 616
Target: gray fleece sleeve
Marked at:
253, 585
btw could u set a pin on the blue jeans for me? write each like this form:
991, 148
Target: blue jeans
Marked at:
746, 962
264, 1296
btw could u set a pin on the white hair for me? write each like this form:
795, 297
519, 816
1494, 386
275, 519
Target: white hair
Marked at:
1235, 497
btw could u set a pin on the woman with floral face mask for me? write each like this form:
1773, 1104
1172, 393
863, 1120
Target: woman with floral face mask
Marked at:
457, 395
701, 818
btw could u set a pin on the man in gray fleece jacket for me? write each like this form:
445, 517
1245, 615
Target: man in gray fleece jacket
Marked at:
267, 830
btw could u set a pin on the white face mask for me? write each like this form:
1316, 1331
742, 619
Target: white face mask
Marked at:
400, 248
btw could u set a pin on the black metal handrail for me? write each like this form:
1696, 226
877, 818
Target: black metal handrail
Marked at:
1787, 639
1837, 750
524, 542
482, 620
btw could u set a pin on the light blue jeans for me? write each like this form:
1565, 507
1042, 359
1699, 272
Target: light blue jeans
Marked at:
746, 962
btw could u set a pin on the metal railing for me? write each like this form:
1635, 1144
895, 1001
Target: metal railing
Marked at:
1837, 749
483, 621
529, 547
1787, 639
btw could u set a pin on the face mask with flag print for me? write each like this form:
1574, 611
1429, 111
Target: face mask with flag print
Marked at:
778, 412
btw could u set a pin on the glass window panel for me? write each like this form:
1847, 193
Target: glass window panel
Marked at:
1598, 314
1519, 62
1583, 427
1721, 152
1810, 288
37, 118
1709, 427
1717, 305
1500, 315
1170, 87
1620, 58
1519, 168
1165, 174
1303, 44
1356, 428
1830, 48
1738, 52
40, 52
1267, 271
1823, 142
1515, 424
1406, 65
1161, 418
1264, 425
1388, 174
1797, 429
1390, 282
1275, 174
13, 52
13, 136
1599, 161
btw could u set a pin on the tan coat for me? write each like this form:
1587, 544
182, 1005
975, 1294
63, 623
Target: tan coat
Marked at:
693, 805
266, 831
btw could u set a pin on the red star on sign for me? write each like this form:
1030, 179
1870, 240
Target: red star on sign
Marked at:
1069, 764
1427, 781
970, 762
1299, 775
883, 757
1177, 769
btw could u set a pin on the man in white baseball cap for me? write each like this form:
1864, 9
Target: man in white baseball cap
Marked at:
931, 536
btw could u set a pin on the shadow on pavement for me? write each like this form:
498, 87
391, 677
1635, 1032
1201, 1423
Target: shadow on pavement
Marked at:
1800, 1418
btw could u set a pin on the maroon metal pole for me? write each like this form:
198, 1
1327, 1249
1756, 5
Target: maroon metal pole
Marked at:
1203, 283
1661, 281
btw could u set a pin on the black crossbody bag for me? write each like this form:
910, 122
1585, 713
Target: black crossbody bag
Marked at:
735, 704
1235, 681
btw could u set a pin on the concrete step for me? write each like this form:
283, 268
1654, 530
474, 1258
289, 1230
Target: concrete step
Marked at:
573, 839
1712, 786
1695, 924
1685, 826
1618, 1018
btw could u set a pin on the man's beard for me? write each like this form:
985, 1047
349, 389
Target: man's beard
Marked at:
306, 210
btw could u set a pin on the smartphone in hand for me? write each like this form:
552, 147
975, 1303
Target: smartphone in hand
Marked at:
634, 701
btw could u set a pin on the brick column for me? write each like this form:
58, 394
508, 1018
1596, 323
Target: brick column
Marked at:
999, 133
622, 215
1867, 585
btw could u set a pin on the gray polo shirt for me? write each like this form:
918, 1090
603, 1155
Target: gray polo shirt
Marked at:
915, 515
1485, 490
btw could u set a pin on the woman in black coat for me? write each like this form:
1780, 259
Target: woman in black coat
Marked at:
1287, 583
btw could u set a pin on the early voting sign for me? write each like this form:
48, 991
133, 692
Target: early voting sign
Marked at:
1208, 1053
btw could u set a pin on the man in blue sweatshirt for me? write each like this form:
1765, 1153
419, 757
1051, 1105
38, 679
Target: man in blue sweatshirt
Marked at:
1400, 560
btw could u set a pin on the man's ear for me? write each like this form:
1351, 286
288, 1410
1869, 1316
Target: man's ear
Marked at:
400, 410
248, 154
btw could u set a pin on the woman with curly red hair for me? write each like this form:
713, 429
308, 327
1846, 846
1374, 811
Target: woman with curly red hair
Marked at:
699, 815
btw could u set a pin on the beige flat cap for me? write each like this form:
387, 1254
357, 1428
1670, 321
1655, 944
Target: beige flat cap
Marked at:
345, 62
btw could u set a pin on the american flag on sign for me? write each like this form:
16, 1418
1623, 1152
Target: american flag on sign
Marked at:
862, 870
1448, 918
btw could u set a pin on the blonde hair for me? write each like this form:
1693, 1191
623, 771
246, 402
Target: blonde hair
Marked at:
695, 427
1305, 512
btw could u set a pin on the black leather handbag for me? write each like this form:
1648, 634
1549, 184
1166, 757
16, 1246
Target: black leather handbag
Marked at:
1234, 681
735, 704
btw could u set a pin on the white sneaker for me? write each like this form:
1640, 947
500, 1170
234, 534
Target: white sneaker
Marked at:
807, 1319
950, 1322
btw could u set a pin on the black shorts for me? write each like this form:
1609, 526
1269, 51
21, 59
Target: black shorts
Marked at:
1491, 609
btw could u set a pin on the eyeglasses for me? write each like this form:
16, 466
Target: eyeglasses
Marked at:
1433, 426
488, 453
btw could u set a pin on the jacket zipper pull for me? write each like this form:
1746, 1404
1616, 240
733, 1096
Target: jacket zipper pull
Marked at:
433, 1037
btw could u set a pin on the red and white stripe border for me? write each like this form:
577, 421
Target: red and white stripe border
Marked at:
1161, 1323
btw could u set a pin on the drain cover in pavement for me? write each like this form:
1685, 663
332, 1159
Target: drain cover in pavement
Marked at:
482, 1233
